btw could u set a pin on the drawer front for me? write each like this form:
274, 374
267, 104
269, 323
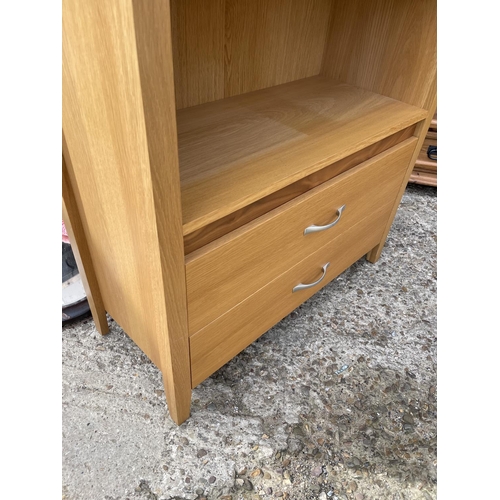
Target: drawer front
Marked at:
225, 272
221, 340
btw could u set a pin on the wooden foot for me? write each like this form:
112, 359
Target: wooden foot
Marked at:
374, 254
178, 396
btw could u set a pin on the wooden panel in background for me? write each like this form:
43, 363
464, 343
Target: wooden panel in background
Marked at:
423, 177
434, 122
198, 51
270, 42
228, 47
386, 46
425, 170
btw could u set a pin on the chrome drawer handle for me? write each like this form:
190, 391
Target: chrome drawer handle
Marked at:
315, 229
302, 286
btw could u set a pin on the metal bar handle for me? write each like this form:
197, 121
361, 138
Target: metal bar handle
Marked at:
302, 286
315, 229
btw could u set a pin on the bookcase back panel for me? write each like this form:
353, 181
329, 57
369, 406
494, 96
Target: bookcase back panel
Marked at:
385, 46
198, 51
224, 48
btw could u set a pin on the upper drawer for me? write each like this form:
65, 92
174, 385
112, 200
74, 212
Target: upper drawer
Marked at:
225, 272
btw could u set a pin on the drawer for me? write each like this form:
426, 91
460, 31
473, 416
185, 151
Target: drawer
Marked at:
226, 271
221, 340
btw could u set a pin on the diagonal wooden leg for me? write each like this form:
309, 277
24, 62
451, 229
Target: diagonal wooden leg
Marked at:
76, 234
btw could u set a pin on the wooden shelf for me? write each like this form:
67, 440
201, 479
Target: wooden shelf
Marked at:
235, 151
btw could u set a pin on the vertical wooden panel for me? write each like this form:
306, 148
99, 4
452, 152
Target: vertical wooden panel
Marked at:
106, 126
198, 51
386, 46
103, 125
228, 47
269, 42
154, 50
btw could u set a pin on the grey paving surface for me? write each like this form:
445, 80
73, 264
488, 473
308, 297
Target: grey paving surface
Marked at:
337, 401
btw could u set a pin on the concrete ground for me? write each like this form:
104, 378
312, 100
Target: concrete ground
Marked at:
337, 401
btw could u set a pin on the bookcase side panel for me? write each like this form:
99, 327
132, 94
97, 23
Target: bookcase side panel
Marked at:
114, 169
386, 46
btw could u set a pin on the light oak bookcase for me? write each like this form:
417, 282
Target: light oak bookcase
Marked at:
225, 159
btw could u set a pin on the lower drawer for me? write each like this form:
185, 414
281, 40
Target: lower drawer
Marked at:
219, 341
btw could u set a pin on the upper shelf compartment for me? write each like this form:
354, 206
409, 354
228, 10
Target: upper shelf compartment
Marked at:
235, 151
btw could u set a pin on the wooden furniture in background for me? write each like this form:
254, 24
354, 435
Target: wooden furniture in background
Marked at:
228, 158
425, 169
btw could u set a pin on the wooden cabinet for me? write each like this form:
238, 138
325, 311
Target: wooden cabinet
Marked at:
225, 159
425, 169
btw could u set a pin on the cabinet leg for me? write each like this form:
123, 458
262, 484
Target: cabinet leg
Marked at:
178, 398
374, 254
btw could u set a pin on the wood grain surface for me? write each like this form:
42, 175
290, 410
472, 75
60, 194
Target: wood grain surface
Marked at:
238, 150
224, 48
386, 46
426, 166
225, 272
270, 42
421, 176
198, 50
